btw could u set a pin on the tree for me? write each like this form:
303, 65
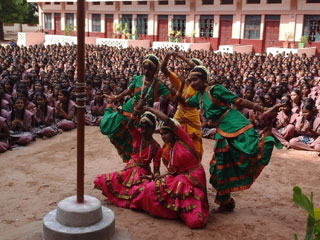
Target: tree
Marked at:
17, 11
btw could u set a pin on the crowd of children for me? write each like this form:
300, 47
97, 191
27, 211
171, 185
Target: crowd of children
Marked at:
37, 89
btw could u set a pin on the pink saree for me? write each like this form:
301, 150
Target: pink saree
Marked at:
182, 191
123, 188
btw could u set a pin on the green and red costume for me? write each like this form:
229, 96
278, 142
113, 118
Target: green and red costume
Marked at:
240, 153
114, 124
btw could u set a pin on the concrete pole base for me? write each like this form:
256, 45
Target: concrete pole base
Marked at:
81, 221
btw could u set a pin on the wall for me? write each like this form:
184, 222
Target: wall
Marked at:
15, 28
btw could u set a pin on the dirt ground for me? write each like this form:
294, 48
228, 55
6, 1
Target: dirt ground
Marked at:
35, 178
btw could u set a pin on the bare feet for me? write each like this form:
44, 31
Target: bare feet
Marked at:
225, 208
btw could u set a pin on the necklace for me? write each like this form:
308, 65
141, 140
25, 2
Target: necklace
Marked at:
172, 169
140, 151
201, 104
143, 81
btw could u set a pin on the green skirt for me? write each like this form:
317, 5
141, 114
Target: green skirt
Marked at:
238, 161
114, 125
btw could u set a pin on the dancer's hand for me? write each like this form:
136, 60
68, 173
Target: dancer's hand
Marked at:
269, 114
111, 98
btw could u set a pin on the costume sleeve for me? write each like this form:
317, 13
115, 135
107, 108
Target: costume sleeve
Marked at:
222, 94
184, 136
174, 79
157, 158
194, 101
132, 84
164, 91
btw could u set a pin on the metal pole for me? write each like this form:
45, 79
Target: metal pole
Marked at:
80, 102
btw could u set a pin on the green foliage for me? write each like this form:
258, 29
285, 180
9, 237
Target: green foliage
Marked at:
68, 29
18, 11
135, 32
126, 29
313, 220
304, 39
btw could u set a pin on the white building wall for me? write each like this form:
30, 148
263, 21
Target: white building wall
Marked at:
287, 25
237, 26
16, 28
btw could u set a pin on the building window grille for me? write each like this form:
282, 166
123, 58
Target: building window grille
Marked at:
142, 24
96, 22
252, 27
70, 19
179, 24
311, 27
48, 21
206, 26
126, 19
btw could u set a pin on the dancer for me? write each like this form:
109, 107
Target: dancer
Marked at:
146, 86
182, 191
240, 153
123, 187
188, 117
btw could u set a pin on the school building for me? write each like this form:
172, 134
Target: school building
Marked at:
260, 23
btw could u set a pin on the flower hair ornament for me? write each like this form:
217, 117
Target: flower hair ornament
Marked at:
149, 118
202, 72
163, 125
153, 59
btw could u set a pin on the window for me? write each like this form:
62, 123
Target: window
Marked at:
47, 3
96, 23
313, 1
163, 2
127, 3
109, 3
252, 27
207, 2
226, 2
142, 24
56, 3
206, 26
127, 20
47, 21
95, 3
179, 24
180, 2
311, 27
142, 3
253, 1
274, 1
69, 3
69, 19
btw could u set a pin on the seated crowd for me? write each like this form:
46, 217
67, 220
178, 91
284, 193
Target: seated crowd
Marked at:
38, 94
